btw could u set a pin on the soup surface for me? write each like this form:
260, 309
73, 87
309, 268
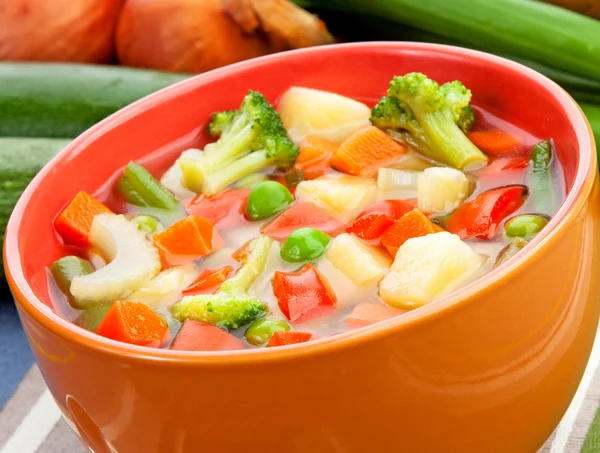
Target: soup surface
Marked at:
312, 217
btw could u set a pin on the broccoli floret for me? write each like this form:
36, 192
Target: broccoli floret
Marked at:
250, 139
431, 117
231, 307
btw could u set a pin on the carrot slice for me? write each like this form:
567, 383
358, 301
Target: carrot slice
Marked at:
302, 214
411, 225
187, 240
198, 336
365, 151
497, 143
365, 314
282, 338
74, 222
315, 156
134, 323
208, 281
240, 254
224, 210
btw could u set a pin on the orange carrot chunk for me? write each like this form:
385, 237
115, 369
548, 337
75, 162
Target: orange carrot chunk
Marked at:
187, 240
282, 338
378, 217
208, 281
198, 336
411, 225
134, 323
365, 151
315, 156
497, 143
74, 222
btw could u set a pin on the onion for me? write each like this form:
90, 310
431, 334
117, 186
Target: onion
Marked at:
199, 35
58, 30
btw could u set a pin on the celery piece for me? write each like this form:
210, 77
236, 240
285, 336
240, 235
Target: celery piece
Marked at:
138, 187
65, 269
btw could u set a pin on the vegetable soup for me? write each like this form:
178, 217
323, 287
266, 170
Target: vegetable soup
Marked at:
302, 220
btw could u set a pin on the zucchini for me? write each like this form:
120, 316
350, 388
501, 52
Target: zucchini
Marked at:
527, 29
20, 160
63, 100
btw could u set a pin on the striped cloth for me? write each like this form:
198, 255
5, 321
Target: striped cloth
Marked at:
30, 421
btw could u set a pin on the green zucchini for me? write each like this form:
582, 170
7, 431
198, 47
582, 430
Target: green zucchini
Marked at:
63, 100
527, 29
20, 160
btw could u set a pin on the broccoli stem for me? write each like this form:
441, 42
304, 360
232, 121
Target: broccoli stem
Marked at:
224, 176
253, 266
449, 144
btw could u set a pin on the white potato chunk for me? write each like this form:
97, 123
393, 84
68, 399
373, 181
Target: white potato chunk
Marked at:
441, 189
428, 267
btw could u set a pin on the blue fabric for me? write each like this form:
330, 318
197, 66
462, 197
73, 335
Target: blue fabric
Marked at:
15, 356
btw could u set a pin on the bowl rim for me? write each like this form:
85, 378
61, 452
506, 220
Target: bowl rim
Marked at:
583, 182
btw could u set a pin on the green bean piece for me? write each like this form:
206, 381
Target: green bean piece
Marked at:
261, 330
138, 187
146, 223
525, 226
509, 251
540, 178
65, 269
90, 318
304, 244
267, 199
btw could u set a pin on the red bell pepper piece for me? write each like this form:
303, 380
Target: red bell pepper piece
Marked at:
503, 164
497, 143
198, 336
74, 222
378, 217
187, 240
208, 281
411, 225
365, 314
302, 214
224, 210
303, 295
481, 216
134, 323
282, 338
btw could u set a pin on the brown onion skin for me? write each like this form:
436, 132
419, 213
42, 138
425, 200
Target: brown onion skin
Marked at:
191, 36
79, 31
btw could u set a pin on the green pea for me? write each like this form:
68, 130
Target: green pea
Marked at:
304, 244
261, 330
147, 224
267, 199
525, 226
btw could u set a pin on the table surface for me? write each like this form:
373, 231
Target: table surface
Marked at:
30, 421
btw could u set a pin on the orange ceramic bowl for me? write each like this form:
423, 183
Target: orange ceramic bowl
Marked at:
490, 368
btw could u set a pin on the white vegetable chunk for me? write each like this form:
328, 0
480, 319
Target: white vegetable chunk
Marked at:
392, 179
305, 111
441, 189
429, 267
133, 260
361, 263
172, 178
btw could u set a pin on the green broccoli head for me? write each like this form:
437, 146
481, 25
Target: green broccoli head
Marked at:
435, 116
221, 310
250, 139
231, 307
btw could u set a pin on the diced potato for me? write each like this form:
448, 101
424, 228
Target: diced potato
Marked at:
441, 189
166, 287
392, 179
305, 111
361, 263
173, 176
341, 197
428, 267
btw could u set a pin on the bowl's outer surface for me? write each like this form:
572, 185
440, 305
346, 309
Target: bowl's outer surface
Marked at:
491, 369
